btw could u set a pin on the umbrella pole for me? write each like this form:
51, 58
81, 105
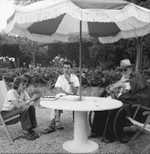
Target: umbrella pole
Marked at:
80, 61
139, 55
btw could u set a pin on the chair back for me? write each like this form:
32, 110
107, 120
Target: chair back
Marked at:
3, 92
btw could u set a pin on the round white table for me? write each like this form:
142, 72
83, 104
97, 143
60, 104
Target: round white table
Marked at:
80, 142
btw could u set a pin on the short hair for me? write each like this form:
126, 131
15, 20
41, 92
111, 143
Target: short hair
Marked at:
67, 63
18, 81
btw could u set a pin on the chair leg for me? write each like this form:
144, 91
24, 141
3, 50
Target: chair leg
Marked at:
6, 130
8, 134
106, 125
135, 136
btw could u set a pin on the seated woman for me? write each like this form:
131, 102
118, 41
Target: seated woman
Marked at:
17, 102
125, 89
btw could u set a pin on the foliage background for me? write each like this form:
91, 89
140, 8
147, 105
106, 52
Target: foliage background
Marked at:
99, 59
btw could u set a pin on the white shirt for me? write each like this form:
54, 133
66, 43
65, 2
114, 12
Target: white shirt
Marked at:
64, 84
126, 82
11, 96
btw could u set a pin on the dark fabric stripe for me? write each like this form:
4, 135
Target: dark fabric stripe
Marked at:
47, 27
102, 29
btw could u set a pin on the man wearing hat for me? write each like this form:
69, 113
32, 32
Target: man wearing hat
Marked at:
117, 89
123, 85
133, 89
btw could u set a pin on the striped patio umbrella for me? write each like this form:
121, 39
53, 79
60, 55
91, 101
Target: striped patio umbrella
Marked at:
49, 21
58, 20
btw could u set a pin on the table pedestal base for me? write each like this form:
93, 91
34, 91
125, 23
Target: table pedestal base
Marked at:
74, 147
80, 143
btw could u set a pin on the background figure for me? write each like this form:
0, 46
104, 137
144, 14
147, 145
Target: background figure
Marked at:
17, 102
67, 83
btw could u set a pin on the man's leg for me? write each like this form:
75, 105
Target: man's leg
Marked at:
58, 119
55, 120
51, 128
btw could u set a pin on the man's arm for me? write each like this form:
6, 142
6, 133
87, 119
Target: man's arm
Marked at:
60, 90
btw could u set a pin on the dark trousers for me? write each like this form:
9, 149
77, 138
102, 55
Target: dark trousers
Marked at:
116, 122
27, 117
99, 123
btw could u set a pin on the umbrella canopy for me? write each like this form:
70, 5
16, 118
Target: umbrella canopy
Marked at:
7, 11
58, 20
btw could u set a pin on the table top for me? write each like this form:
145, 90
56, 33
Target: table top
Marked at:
73, 103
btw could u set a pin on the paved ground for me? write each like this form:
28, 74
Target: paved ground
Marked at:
52, 143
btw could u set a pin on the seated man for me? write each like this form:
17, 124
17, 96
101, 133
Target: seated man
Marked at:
68, 84
119, 90
16, 103
123, 85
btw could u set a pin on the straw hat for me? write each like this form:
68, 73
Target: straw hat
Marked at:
125, 63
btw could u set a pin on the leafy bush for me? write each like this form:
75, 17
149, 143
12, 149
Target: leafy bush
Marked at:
48, 76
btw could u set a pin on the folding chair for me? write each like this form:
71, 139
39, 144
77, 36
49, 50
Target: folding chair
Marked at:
142, 127
3, 93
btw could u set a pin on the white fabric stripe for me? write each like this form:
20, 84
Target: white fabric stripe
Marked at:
70, 25
47, 13
130, 23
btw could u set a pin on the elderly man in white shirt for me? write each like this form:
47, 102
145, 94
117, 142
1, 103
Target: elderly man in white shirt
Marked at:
67, 83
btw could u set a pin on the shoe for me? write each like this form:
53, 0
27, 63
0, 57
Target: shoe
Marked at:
29, 136
32, 132
125, 139
106, 140
59, 125
48, 130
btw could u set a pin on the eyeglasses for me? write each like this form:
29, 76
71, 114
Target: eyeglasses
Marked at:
124, 70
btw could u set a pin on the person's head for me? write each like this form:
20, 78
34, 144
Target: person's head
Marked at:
67, 67
27, 78
19, 83
126, 67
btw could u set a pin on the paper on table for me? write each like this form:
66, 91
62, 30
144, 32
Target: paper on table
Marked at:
53, 98
60, 95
